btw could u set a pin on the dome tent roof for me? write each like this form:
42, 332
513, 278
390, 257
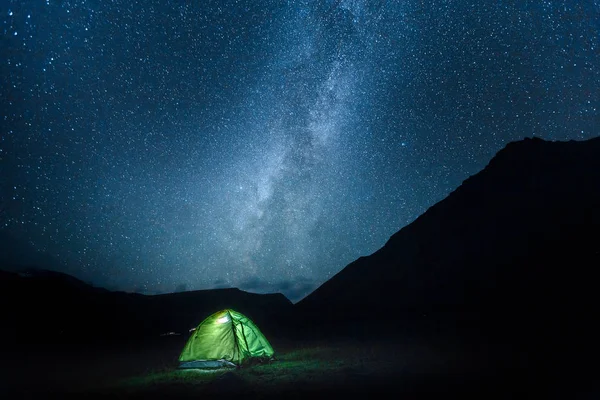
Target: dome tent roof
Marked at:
226, 338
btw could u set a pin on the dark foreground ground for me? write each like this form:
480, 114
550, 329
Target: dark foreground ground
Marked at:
406, 368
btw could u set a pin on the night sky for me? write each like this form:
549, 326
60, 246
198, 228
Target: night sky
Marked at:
156, 146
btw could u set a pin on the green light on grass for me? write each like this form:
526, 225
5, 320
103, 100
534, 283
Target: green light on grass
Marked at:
203, 371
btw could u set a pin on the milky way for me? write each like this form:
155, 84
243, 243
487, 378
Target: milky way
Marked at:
159, 146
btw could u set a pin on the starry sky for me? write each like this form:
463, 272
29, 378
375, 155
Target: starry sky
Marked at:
158, 146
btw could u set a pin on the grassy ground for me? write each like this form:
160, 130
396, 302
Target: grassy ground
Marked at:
304, 368
301, 370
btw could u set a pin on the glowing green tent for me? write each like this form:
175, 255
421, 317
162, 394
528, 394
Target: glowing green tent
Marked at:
226, 338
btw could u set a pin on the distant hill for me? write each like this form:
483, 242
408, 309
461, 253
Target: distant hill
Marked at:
52, 307
510, 255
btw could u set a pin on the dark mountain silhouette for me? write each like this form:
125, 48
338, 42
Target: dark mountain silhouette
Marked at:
509, 256
51, 307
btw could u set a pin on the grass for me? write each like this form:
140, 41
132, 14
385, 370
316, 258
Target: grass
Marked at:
300, 369
297, 368
305, 365
190, 376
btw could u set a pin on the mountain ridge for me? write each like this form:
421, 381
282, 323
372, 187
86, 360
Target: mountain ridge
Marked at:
461, 253
66, 307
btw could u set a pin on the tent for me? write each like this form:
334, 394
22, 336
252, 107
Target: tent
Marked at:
226, 338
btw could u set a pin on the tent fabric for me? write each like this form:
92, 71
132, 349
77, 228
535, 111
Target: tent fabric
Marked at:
226, 335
